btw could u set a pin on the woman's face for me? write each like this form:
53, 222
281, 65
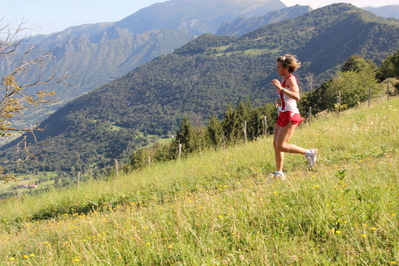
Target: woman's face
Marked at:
281, 70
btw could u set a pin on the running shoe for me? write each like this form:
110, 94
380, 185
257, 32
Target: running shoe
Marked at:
311, 156
278, 175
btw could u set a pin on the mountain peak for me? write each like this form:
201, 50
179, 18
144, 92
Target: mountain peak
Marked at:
195, 16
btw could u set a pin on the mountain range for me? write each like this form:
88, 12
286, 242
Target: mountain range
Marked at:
390, 11
95, 54
195, 16
243, 25
201, 78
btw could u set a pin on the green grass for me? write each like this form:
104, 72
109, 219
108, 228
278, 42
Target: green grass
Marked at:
257, 51
220, 208
117, 128
161, 141
164, 140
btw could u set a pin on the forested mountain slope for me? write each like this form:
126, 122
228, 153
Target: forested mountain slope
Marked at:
202, 77
93, 55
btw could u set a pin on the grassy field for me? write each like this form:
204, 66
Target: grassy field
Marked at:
221, 208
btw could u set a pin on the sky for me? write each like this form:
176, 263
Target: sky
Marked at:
48, 16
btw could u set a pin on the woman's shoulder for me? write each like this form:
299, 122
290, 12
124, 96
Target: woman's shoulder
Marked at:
292, 79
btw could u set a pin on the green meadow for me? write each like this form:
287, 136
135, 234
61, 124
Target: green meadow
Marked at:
44, 180
222, 208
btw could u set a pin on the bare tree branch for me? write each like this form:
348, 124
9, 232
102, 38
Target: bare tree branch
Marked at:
14, 98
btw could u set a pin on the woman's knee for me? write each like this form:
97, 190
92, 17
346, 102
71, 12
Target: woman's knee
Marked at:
281, 147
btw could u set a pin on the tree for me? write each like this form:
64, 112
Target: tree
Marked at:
353, 83
389, 67
14, 97
232, 124
139, 158
310, 79
214, 132
357, 63
187, 137
354, 88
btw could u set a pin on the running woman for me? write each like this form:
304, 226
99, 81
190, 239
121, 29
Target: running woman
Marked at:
289, 117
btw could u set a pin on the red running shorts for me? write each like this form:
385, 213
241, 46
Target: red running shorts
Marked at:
285, 117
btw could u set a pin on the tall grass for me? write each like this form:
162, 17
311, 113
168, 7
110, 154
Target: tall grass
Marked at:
221, 208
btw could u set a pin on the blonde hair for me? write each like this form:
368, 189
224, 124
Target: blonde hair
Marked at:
289, 61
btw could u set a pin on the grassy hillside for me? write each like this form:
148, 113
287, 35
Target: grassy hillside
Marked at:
220, 208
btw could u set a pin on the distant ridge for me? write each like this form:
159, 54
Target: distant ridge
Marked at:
243, 25
195, 16
390, 11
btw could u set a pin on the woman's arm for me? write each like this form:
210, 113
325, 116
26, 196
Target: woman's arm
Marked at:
292, 88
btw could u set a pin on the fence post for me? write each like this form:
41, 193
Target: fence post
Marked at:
116, 164
224, 140
310, 115
368, 104
245, 131
78, 179
265, 132
180, 146
149, 161
387, 90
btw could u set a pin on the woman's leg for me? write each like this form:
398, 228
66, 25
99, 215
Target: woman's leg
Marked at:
281, 138
284, 136
278, 155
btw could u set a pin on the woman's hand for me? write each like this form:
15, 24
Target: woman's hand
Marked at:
277, 83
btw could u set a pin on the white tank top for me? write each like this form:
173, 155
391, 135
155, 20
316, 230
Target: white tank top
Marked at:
289, 104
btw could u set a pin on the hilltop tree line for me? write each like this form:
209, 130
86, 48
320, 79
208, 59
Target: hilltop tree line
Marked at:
241, 123
357, 80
